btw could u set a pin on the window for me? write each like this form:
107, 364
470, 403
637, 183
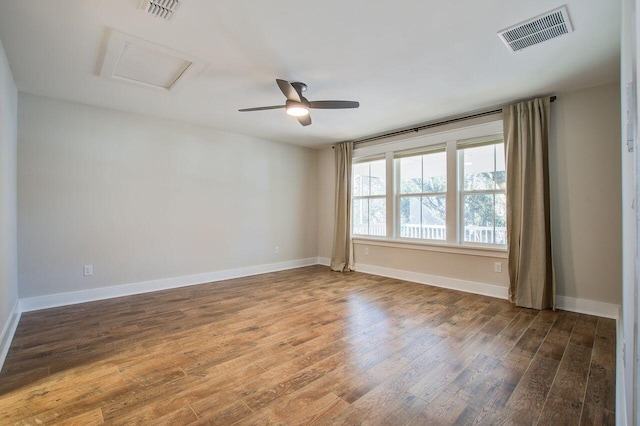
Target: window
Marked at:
442, 188
422, 195
483, 177
369, 209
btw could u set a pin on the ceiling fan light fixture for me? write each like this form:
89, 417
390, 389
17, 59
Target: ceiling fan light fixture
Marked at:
297, 109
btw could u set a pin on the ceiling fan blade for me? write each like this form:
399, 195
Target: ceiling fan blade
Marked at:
262, 108
288, 90
305, 120
334, 104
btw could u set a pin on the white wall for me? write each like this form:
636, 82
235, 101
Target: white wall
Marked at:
8, 251
143, 199
627, 355
586, 214
584, 162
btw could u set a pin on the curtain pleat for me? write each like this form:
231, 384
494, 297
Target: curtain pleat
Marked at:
342, 254
526, 134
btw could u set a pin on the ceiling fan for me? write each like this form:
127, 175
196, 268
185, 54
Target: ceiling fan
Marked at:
298, 106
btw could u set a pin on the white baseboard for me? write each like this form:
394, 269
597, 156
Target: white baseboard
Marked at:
6, 337
324, 261
437, 281
28, 304
589, 307
63, 299
583, 306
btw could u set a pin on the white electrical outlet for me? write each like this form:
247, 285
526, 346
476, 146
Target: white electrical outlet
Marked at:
88, 270
366, 251
497, 267
277, 250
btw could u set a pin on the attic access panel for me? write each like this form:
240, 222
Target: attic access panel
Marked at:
142, 62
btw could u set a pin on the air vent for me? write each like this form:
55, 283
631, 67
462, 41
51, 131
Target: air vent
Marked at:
161, 8
537, 30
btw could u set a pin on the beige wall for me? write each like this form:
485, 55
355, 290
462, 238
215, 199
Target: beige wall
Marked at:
585, 176
586, 214
8, 140
477, 269
326, 201
107, 188
142, 198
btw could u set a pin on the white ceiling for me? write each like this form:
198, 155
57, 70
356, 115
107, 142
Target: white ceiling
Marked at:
406, 61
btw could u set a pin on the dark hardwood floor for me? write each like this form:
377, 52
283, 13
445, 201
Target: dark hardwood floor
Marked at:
309, 346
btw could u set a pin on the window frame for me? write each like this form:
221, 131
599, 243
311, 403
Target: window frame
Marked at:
450, 136
369, 197
398, 194
474, 143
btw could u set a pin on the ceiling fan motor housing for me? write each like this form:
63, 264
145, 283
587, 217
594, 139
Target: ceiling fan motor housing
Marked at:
300, 87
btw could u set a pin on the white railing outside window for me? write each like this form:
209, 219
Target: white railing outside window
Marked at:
374, 230
472, 234
485, 235
431, 232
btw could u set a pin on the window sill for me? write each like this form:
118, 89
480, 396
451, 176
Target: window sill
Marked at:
468, 250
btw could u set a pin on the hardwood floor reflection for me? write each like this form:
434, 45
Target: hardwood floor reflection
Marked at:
308, 346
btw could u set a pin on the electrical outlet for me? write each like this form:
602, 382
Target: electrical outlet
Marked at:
88, 270
366, 251
276, 250
497, 267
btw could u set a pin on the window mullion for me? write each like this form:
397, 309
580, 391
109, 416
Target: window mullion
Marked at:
495, 186
421, 197
390, 192
481, 191
452, 193
493, 222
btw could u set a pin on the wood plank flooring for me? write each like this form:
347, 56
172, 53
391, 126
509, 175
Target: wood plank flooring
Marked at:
309, 346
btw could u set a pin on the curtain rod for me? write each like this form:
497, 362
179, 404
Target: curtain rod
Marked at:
430, 125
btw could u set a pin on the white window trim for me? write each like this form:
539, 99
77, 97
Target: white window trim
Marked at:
470, 132
398, 194
460, 193
450, 138
372, 197
467, 249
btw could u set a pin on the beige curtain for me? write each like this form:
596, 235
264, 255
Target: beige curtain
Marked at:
342, 255
526, 135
